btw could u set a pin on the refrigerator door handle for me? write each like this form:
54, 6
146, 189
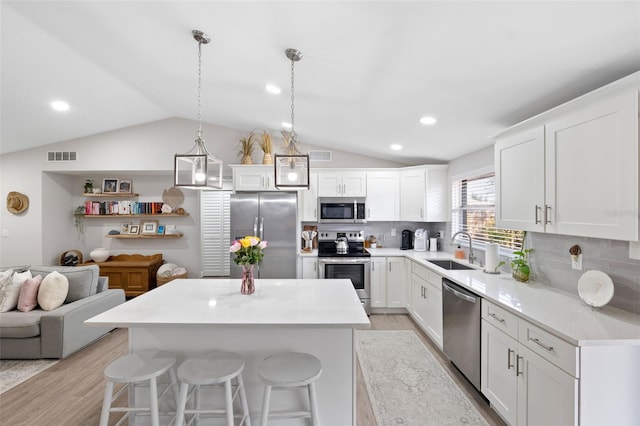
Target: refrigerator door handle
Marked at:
261, 236
255, 226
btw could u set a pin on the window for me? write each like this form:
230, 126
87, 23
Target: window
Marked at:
473, 210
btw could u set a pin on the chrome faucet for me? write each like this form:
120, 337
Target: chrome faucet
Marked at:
472, 257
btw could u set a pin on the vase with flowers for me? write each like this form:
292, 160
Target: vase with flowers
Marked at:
249, 251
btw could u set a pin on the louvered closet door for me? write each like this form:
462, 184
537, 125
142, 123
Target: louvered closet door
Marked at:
215, 227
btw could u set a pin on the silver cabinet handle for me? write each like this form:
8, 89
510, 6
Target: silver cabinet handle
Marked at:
509, 352
537, 218
422, 213
315, 213
518, 372
369, 213
496, 317
539, 343
547, 215
262, 181
373, 266
389, 267
315, 266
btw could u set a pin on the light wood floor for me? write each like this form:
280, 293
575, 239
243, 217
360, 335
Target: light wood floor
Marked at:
70, 392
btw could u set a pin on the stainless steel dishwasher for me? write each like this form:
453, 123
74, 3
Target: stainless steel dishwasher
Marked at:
461, 329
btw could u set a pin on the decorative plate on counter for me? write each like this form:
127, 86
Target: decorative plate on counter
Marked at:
595, 288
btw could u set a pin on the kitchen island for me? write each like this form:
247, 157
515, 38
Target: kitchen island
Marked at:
193, 316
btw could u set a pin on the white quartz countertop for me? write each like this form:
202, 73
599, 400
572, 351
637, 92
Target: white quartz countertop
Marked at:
559, 312
218, 302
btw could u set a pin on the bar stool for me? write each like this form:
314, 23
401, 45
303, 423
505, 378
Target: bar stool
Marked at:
290, 370
212, 369
135, 369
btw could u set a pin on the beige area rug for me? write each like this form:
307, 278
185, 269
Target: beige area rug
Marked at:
406, 384
14, 372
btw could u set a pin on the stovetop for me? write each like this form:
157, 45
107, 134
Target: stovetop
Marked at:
327, 244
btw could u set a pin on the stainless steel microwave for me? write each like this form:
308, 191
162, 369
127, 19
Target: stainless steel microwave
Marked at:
341, 210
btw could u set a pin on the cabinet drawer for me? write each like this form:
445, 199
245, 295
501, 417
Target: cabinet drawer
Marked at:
548, 346
500, 318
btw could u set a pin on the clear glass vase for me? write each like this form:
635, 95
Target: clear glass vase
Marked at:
248, 284
521, 274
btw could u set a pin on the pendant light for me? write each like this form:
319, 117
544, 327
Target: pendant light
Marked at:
198, 168
292, 169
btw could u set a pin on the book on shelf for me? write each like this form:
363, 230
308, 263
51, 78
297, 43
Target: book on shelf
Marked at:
123, 207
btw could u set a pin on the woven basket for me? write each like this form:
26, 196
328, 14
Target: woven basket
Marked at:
71, 253
164, 280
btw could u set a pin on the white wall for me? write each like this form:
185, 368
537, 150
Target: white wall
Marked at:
144, 153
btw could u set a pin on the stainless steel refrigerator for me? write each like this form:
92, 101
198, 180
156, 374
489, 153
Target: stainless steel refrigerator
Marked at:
272, 216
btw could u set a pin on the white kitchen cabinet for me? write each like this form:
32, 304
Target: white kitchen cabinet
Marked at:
424, 194
396, 282
253, 178
576, 175
339, 183
383, 198
308, 200
522, 385
309, 267
426, 301
378, 282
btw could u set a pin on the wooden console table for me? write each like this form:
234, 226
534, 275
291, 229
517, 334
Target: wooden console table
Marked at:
134, 273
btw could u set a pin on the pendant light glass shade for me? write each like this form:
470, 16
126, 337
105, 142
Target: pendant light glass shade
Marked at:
292, 169
198, 168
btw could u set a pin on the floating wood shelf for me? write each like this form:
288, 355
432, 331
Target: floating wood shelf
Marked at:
144, 237
137, 215
112, 194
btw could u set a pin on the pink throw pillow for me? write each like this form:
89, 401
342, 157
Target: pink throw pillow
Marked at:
28, 299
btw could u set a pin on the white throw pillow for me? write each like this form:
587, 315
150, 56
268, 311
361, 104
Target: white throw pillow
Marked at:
53, 290
10, 289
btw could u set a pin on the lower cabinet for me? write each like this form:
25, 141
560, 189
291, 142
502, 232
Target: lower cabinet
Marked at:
522, 386
310, 267
426, 301
388, 283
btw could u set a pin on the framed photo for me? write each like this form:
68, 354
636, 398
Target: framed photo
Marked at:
149, 227
170, 230
160, 229
134, 229
125, 186
109, 185
124, 228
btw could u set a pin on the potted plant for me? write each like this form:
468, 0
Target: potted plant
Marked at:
520, 265
88, 186
266, 144
78, 220
246, 148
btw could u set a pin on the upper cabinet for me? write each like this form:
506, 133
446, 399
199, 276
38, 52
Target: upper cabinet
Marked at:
423, 194
383, 200
308, 200
342, 184
253, 178
576, 174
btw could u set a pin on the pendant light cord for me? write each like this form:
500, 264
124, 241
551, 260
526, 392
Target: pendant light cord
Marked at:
199, 134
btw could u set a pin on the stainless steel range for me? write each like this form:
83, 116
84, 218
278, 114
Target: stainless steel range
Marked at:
354, 263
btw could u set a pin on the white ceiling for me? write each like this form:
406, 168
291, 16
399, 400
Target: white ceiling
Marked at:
370, 70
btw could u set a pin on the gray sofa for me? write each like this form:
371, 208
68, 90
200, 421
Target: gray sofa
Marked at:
60, 332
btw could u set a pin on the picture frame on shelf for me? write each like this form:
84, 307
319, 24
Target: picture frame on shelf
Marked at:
110, 185
170, 230
160, 229
149, 227
125, 186
124, 228
134, 229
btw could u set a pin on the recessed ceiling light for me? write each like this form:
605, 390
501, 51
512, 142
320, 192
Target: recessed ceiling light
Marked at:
273, 89
427, 120
396, 147
60, 105
286, 125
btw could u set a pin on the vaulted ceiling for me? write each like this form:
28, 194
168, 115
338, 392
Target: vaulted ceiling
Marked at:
370, 69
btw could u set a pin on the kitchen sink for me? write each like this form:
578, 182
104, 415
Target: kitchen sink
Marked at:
449, 264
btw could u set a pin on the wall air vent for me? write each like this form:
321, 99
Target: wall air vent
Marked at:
55, 156
320, 155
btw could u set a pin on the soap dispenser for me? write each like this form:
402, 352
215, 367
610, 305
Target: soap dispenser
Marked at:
459, 253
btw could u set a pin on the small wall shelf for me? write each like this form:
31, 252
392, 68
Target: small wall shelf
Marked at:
112, 194
136, 215
143, 237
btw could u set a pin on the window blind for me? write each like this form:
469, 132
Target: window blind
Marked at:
473, 210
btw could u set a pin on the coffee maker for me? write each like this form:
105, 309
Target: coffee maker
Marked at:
407, 240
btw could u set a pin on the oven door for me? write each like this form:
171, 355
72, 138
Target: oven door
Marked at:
354, 269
